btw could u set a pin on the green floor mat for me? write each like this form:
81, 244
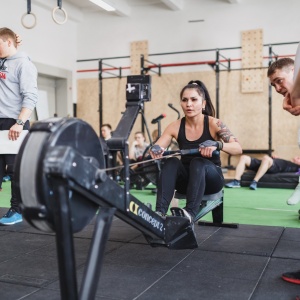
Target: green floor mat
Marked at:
265, 206
5, 194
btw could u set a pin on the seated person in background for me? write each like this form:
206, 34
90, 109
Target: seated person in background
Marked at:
104, 136
112, 159
136, 153
138, 147
106, 131
193, 175
267, 165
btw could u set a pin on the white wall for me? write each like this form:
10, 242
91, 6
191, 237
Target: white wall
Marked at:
95, 35
48, 43
169, 31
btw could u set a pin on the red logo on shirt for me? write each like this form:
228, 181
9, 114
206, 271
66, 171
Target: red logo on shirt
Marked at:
2, 75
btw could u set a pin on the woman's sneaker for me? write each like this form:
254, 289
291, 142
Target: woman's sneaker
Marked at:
181, 212
161, 214
233, 184
187, 215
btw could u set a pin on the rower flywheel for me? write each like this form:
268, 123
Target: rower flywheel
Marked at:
34, 187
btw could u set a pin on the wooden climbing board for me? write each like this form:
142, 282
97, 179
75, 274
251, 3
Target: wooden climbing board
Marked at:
252, 58
137, 49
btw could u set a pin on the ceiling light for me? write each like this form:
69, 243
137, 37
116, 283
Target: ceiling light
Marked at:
196, 21
103, 5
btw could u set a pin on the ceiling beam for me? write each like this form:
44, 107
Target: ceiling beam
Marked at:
174, 4
122, 8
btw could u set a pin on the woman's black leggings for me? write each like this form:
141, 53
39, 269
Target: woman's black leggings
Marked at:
201, 177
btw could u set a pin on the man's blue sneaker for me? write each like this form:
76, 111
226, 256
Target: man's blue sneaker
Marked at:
6, 178
11, 218
233, 184
253, 185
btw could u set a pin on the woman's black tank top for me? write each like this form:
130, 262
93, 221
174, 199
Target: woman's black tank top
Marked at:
185, 144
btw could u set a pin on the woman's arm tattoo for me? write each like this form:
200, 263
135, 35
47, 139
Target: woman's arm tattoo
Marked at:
224, 133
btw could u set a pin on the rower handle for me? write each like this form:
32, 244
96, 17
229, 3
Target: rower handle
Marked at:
189, 152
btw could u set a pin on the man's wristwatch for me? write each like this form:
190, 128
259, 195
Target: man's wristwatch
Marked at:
20, 122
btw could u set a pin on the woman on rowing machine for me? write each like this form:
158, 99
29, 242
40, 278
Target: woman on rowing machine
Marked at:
193, 175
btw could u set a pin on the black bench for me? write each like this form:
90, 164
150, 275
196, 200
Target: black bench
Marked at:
279, 180
210, 203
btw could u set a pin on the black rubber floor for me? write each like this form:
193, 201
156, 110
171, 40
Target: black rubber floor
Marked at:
243, 263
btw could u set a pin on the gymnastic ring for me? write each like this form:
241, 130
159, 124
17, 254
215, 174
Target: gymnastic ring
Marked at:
26, 26
65, 14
